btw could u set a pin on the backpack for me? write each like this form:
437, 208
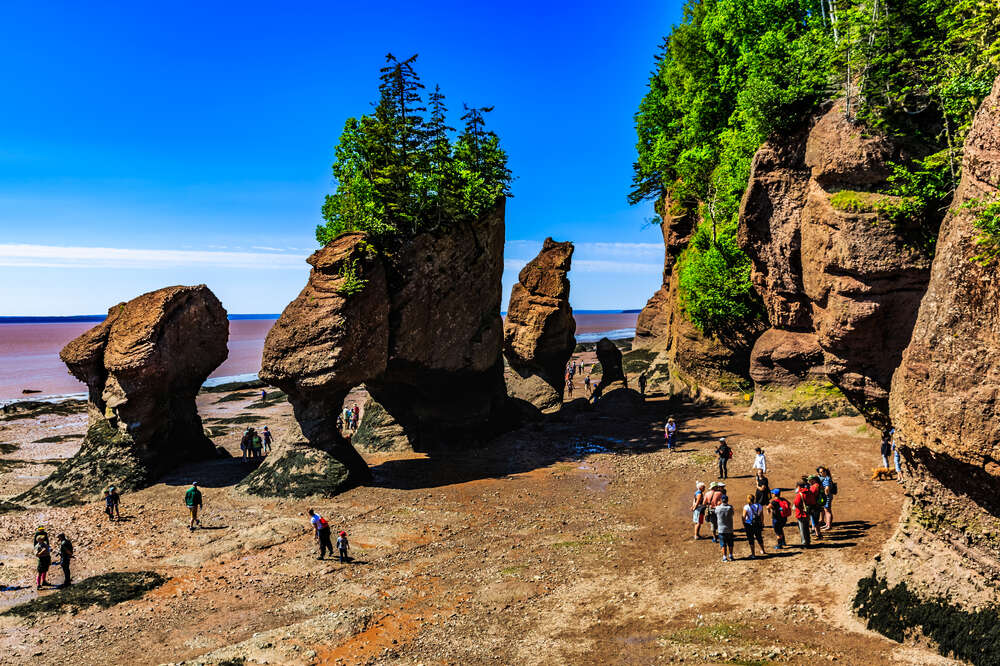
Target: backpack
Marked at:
729, 453
757, 518
784, 508
833, 487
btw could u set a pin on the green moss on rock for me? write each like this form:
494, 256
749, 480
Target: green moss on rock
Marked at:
807, 401
298, 472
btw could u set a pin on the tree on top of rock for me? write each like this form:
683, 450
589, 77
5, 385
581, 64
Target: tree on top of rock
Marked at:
399, 173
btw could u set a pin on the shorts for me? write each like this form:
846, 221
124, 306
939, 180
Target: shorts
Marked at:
698, 517
712, 519
829, 503
726, 539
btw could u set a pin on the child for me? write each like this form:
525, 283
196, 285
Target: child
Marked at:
342, 545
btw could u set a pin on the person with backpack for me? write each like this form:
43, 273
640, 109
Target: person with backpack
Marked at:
343, 546
322, 528
753, 525
829, 489
802, 513
192, 499
670, 433
724, 519
698, 508
724, 453
780, 511
65, 557
759, 462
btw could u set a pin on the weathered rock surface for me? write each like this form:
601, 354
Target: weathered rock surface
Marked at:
844, 275
539, 330
378, 432
613, 392
686, 361
143, 367
420, 329
945, 408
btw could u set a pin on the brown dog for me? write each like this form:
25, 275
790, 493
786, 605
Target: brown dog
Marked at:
883, 474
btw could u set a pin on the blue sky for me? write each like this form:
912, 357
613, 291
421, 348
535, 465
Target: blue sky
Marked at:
143, 145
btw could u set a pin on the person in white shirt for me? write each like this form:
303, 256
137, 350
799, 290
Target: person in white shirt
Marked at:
759, 462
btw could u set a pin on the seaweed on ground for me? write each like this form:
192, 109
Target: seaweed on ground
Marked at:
30, 409
233, 397
242, 418
104, 590
6, 448
234, 386
56, 438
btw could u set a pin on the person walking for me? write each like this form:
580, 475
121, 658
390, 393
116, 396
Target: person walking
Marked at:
802, 513
670, 433
886, 448
111, 501
587, 386
267, 440
780, 511
759, 462
343, 546
642, 384
263, 396
896, 460
65, 557
355, 416
193, 501
698, 508
724, 453
43, 553
753, 525
816, 505
829, 489
322, 528
724, 518
569, 385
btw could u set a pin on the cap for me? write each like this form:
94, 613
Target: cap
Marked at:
342, 534
776, 491
722, 439
194, 483
725, 498
714, 484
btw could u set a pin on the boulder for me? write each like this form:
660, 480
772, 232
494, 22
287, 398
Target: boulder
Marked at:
419, 326
143, 367
945, 409
539, 330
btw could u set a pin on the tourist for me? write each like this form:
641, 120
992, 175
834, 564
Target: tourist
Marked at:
111, 501
759, 462
587, 386
44, 555
724, 520
886, 448
65, 556
258, 445
780, 511
753, 525
343, 546
712, 498
642, 384
569, 385
802, 513
267, 440
193, 501
670, 433
724, 453
829, 489
355, 416
698, 508
263, 395
322, 528
896, 461
816, 505
245, 444
762, 495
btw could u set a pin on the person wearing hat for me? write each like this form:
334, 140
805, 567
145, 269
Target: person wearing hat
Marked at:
343, 546
192, 499
780, 510
712, 497
724, 518
43, 553
111, 501
698, 508
724, 453
670, 433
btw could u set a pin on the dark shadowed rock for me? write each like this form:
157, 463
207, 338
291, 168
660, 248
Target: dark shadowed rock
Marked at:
539, 331
143, 367
613, 392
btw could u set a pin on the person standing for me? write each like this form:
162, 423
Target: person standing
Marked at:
753, 525
586, 385
763, 493
111, 501
322, 528
886, 448
642, 384
343, 546
780, 511
712, 499
245, 444
569, 385
816, 505
896, 461
258, 445
355, 416
724, 519
802, 513
43, 553
65, 556
670, 433
193, 501
698, 508
267, 440
724, 453
759, 462
829, 489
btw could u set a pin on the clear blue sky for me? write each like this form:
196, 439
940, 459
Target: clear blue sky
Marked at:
150, 144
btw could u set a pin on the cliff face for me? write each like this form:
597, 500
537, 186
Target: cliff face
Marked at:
143, 367
945, 408
539, 331
421, 331
835, 275
681, 359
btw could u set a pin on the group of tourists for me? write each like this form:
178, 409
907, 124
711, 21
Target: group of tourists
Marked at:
574, 368
43, 554
812, 506
348, 419
255, 445
112, 501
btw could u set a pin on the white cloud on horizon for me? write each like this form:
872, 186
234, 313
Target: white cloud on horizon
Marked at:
58, 256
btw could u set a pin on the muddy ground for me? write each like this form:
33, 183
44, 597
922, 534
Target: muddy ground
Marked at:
568, 542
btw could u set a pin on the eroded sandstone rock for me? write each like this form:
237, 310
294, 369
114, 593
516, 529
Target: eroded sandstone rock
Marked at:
612, 392
143, 367
539, 331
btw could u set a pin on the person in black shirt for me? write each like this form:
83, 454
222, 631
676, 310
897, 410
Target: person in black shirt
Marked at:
65, 557
724, 453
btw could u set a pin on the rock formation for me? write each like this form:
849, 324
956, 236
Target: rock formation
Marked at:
143, 367
613, 392
421, 329
944, 405
539, 331
834, 273
679, 358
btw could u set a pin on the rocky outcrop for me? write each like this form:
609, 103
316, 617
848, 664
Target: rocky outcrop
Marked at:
420, 327
378, 432
612, 393
945, 408
828, 265
143, 367
539, 330
686, 362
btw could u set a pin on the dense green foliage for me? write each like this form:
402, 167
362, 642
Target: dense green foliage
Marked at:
399, 172
734, 71
987, 222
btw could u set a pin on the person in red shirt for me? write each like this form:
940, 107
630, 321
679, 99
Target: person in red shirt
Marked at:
801, 504
815, 508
